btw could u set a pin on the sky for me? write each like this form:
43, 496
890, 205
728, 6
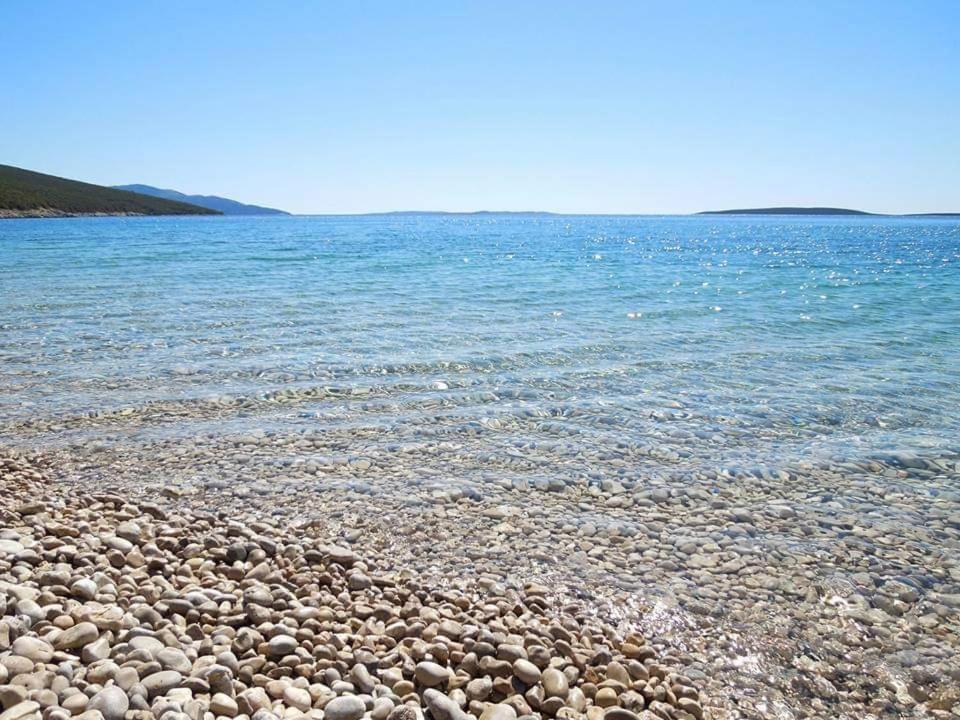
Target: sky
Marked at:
593, 107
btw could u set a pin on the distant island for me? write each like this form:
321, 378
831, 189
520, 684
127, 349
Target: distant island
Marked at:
816, 211
212, 202
24, 193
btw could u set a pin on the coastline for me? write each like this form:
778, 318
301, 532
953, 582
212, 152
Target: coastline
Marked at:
725, 612
49, 213
155, 607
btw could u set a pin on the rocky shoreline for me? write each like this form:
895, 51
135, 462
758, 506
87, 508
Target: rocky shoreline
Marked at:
115, 607
764, 588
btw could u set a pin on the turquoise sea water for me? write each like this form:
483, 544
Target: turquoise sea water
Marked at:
728, 340
740, 435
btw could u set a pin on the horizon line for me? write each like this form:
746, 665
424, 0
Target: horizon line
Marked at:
798, 212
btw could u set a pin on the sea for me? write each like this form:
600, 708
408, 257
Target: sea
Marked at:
803, 373
780, 337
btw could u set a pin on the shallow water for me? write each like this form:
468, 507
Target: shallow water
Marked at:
756, 419
779, 337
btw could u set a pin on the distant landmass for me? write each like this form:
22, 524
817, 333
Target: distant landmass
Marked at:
212, 202
24, 193
816, 211
461, 212
787, 211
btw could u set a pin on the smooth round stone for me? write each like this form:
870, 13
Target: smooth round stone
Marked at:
595, 712
46, 698
99, 674
219, 678
555, 683
145, 642
390, 676
431, 674
551, 706
11, 695
606, 697
77, 636
619, 713
576, 699
346, 707
84, 588
98, 650
129, 531
253, 699
10, 547
16, 665
107, 618
359, 581
616, 671
404, 687
112, 702
342, 556
442, 707
297, 698
77, 703
361, 678
479, 689
126, 678
382, 707
35, 649
500, 711
280, 645
451, 629
31, 610
342, 687
404, 712
229, 661
691, 706
275, 688
526, 671
174, 659
22, 711
160, 682
510, 653
221, 704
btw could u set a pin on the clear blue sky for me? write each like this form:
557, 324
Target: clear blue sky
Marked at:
581, 107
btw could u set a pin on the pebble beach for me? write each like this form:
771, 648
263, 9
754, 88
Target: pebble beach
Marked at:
382, 504
116, 609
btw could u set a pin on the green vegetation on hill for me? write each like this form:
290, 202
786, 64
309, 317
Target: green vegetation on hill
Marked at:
24, 193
